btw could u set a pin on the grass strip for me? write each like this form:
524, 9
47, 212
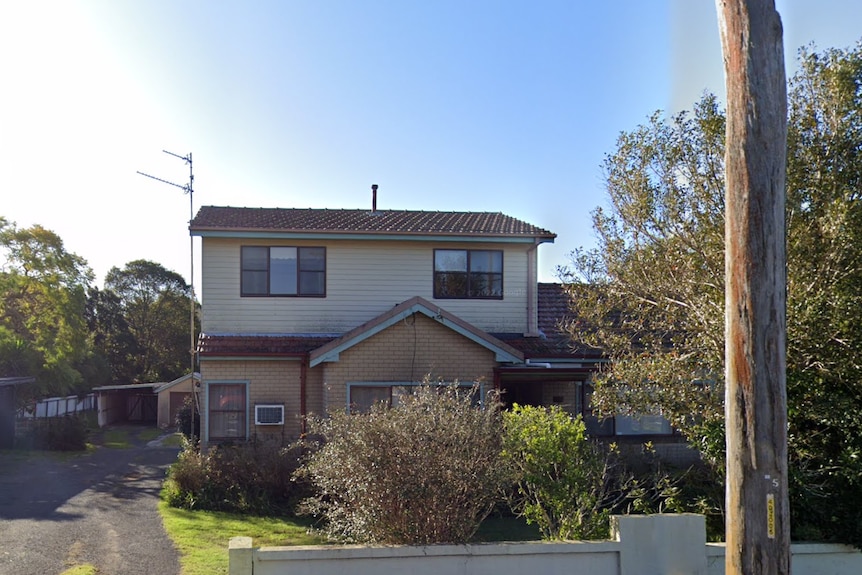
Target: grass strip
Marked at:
202, 536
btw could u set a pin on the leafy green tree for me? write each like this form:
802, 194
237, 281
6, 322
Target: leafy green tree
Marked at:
113, 341
824, 250
427, 471
652, 293
562, 477
155, 306
42, 300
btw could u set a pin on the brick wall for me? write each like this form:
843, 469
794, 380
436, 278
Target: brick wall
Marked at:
273, 381
406, 352
562, 393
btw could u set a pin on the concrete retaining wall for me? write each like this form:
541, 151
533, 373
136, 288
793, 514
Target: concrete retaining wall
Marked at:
640, 545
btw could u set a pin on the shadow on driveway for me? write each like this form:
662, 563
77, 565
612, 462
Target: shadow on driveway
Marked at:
99, 507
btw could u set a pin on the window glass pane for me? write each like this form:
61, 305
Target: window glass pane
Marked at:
227, 411
450, 260
486, 285
282, 271
312, 259
254, 257
643, 425
597, 427
312, 283
227, 425
254, 283
227, 396
450, 284
486, 261
363, 397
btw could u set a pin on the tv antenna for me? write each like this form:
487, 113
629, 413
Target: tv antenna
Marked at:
188, 189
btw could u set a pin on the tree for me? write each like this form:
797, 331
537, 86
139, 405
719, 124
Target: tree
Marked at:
113, 340
651, 294
155, 306
43, 291
824, 250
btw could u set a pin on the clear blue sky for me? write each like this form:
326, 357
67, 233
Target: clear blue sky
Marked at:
448, 105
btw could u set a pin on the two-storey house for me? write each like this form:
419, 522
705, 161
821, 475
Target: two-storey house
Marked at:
309, 310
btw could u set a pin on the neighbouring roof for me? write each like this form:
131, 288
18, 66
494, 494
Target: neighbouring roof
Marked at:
126, 386
167, 385
554, 342
13, 381
387, 222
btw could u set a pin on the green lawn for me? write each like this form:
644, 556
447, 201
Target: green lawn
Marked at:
202, 536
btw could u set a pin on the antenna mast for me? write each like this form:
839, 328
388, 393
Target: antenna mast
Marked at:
188, 189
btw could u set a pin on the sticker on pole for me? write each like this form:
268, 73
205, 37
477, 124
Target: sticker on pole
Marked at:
770, 515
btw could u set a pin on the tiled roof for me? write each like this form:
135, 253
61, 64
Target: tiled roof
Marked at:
218, 218
553, 310
259, 345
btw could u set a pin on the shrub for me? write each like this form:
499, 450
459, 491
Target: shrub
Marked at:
64, 433
184, 419
655, 488
427, 471
564, 482
254, 477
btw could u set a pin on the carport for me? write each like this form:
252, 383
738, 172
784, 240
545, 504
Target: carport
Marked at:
132, 403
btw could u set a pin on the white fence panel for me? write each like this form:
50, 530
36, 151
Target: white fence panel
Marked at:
58, 406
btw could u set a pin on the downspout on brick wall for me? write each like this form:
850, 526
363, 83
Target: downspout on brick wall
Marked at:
303, 392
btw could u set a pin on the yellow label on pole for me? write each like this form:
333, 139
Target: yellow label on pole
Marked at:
770, 515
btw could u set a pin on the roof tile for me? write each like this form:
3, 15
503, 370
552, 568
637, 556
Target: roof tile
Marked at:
223, 218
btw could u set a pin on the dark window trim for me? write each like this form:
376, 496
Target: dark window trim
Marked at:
299, 271
391, 385
468, 272
244, 411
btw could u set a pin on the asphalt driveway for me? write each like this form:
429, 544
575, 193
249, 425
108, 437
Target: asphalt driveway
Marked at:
99, 508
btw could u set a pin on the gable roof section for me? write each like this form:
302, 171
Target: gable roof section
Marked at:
219, 221
165, 386
503, 352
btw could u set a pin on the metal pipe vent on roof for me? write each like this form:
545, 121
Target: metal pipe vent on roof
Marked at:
373, 197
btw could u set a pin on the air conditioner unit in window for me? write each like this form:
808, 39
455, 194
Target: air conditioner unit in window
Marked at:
269, 414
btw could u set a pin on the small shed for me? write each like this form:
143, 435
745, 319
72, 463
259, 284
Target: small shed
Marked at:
173, 395
9, 408
130, 403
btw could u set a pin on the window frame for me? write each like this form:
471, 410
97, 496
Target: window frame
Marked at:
300, 273
398, 388
619, 425
469, 273
244, 423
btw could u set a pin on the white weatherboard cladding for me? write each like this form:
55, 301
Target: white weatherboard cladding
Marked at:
363, 280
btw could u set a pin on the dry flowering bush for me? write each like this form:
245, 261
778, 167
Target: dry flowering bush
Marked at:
427, 471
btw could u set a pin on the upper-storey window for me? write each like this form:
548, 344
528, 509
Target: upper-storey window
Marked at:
468, 274
283, 271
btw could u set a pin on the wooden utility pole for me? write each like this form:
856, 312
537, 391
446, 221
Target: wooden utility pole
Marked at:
758, 516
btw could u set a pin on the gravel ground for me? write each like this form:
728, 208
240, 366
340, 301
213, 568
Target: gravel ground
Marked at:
99, 508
